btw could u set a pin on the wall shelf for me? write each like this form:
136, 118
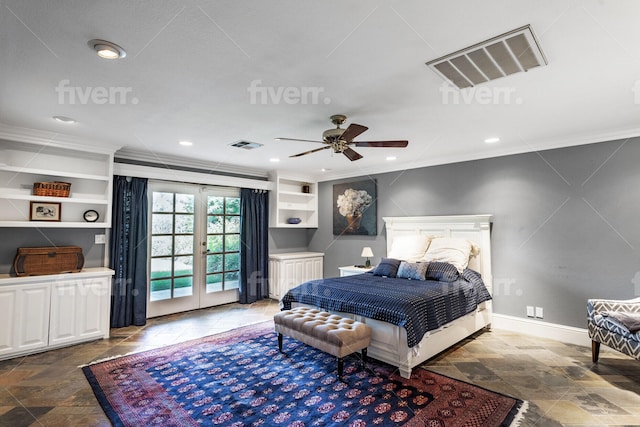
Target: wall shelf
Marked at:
88, 171
289, 201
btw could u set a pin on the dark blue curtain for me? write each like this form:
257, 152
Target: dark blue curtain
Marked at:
254, 246
128, 252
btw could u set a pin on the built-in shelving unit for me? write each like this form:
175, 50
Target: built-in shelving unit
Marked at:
288, 200
89, 170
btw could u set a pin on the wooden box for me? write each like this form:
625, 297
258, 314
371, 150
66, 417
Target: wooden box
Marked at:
48, 260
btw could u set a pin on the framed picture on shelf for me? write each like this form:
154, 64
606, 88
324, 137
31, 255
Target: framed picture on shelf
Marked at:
45, 211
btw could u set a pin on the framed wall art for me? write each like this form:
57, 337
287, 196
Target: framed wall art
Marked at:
354, 208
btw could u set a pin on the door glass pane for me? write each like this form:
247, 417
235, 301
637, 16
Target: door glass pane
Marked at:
183, 265
185, 203
160, 267
184, 224
232, 243
232, 224
214, 263
183, 287
214, 224
184, 245
223, 242
214, 243
172, 245
160, 289
231, 261
231, 280
162, 224
162, 202
161, 245
232, 205
215, 205
214, 282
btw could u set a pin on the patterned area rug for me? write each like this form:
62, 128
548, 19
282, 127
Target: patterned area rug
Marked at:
239, 378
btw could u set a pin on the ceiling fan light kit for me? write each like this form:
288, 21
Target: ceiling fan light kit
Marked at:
340, 140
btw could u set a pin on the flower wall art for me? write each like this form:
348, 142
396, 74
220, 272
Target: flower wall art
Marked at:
354, 209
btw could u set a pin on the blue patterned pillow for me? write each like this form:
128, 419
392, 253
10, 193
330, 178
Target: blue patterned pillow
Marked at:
412, 270
388, 267
442, 271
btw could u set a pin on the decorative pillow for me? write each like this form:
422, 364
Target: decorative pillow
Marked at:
409, 248
453, 250
442, 271
388, 267
412, 270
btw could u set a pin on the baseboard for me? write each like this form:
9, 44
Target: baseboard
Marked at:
562, 333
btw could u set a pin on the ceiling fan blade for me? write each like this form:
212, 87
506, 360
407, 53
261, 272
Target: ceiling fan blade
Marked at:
398, 144
296, 139
352, 131
311, 151
351, 154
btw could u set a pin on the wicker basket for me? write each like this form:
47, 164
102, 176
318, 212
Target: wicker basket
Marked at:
55, 189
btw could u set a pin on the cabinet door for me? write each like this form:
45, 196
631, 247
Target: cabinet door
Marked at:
24, 312
78, 311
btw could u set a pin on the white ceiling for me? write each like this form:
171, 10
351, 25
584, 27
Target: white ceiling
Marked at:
190, 66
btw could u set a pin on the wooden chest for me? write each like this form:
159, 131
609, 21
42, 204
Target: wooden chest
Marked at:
48, 260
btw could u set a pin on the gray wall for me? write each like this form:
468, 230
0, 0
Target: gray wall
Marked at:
565, 224
13, 238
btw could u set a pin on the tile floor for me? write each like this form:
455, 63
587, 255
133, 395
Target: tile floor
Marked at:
559, 380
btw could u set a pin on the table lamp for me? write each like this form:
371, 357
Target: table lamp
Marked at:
367, 253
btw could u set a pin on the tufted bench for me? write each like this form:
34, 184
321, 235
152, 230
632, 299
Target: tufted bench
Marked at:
330, 333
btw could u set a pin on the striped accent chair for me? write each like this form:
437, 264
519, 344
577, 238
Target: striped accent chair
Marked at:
607, 330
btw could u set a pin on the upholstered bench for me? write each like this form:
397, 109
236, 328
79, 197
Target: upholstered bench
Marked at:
327, 332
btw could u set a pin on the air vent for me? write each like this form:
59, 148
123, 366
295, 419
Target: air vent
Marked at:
247, 145
500, 56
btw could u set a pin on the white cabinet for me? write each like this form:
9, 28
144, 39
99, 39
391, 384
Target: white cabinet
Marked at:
24, 313
78, 310
291, 269
89, 173
350, 270
45, 312
294, 198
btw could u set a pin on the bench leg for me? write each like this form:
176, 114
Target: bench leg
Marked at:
364, 355
340, 367
595, 351
280, 342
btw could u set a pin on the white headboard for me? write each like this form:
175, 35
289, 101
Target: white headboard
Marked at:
473, 227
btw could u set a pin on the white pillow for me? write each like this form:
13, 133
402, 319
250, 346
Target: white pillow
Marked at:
409, 248
453, 250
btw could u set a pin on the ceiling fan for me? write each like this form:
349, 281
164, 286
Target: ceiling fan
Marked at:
340, 139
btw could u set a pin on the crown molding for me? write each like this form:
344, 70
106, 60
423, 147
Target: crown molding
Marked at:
55, 139
170, 160
534, 146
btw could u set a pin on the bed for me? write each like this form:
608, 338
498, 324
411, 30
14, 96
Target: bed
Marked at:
406, 331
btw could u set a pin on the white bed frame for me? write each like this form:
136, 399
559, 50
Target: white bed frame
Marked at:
389, 342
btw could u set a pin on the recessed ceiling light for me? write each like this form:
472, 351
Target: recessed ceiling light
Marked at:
63, 119
492, 140
186, 143
274, 160
390, 158
107, 49
325, 170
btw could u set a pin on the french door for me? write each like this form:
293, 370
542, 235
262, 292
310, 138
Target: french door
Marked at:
194, 247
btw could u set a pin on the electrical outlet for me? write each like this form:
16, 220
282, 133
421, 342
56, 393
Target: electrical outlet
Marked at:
539, 312
530, 312
100, 239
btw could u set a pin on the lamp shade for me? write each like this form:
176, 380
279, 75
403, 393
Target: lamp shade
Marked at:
366, 252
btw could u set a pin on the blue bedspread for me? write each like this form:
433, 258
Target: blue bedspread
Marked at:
418, 306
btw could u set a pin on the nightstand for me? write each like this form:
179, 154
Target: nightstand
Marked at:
350, 270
